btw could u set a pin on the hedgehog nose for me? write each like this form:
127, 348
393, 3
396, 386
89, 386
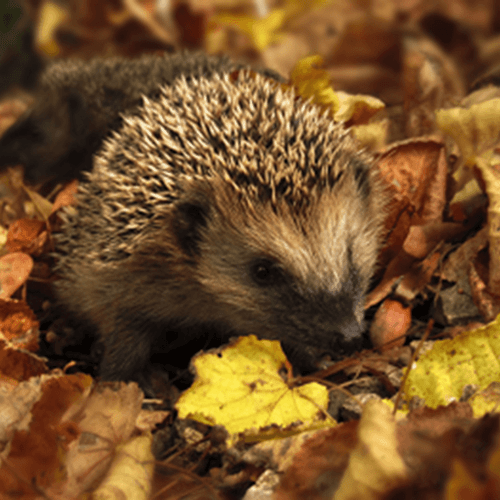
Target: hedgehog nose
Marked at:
352, 330
352, 336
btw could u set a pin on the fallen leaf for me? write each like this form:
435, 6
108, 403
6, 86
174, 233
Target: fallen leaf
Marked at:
440, 375
50, 17
313, 82
105, 419
19, 364
316, 469
131, 473
28, 236
34, 458
245, 389
375, 464
356, 109
476, 132
15, 269
18, 325
66, 196
486, 400
390, 324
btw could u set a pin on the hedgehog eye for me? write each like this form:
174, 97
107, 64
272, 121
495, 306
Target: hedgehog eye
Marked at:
265, 272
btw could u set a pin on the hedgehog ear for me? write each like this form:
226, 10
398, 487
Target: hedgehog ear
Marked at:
189, 219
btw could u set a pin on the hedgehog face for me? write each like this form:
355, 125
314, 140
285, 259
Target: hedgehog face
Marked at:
296, 276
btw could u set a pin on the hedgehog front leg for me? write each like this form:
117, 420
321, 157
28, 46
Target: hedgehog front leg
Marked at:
127, 348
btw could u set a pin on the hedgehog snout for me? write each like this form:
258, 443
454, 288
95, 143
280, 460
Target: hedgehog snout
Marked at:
351, 336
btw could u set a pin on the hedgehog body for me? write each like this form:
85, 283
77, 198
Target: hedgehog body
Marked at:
221, 203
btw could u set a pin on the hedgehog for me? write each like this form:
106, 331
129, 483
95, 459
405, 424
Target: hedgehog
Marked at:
77, 104
224, 203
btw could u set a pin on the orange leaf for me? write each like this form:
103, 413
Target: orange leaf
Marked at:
14, 271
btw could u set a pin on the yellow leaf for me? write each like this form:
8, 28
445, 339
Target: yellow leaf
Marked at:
357, 108
372, 135
476, 130
441, 374
41, 204
131, 473
313, 82
50, 17
375, 464
486, 401
244, 388
262, 31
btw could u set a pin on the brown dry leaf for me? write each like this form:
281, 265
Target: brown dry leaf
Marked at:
28, 236
418, 277
415, 175
421, 240
430, 81
487, 303
16, 401
317, 468
105, 419
357, 109
375, 465
432, 440
366, 59
19, 365
18, 325
475, 131
390, 324
33, 461
15, 269
66, 196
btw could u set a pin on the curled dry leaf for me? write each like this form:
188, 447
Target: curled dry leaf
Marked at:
34, 458
317, 468
476, 132
105, 418
19, 364
414, 173
357, 109
375, 465
18, 325
28, 236
15, 269
66, 196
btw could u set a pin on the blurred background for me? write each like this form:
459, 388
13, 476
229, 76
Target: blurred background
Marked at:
370, 47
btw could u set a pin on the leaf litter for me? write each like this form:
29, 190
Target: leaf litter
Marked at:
397, 73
